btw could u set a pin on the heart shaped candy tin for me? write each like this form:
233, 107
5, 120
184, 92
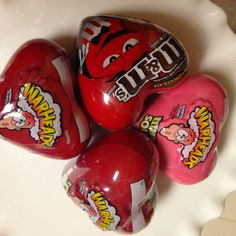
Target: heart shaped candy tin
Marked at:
185, 124
35, 111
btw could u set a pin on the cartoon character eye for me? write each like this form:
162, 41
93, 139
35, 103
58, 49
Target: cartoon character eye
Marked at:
20, 121
182, 135
109, 60
129, 44
20, 124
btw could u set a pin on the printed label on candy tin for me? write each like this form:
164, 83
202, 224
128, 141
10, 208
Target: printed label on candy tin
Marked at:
103, 214
99, 209
36, 111
150, 126
196, 136
201, 121
142, 204
163, 67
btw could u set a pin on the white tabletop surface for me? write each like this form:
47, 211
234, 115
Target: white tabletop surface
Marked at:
32, 200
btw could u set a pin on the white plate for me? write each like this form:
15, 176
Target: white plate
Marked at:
32, 201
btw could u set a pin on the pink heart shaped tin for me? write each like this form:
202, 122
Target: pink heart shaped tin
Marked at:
185, 123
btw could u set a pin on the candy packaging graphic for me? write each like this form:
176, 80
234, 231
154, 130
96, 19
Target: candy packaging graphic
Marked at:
122, 61
187, 129
35, 111
132, 80
114, 181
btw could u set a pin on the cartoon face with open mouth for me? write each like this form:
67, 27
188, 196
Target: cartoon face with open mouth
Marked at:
178, 133
114, 45
17, 120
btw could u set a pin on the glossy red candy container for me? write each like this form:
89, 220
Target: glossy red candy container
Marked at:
35, 110
114, 181
123, 60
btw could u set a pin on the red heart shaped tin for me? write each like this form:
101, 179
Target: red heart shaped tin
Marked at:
114, 181
123, 60
35, 111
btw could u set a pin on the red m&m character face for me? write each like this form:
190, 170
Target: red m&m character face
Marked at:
113, 45
122, 61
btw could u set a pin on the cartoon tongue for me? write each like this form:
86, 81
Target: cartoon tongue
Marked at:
122, 61
35, 111
185, 124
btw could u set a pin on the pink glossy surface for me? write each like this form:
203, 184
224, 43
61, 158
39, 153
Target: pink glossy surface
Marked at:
114, 181
185, 124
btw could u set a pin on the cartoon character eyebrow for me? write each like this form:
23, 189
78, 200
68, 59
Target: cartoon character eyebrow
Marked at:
96, 39
113, 36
